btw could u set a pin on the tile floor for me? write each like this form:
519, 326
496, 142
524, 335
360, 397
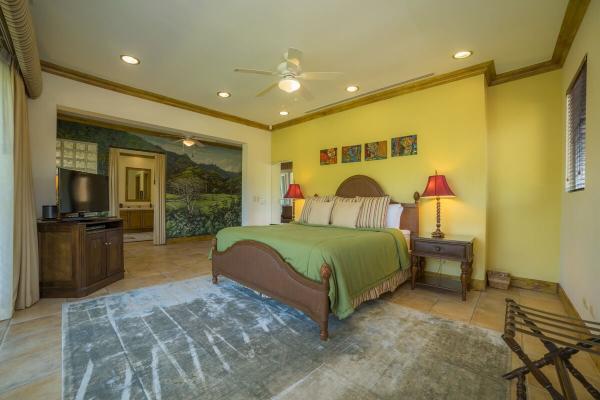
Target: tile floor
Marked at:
30, 349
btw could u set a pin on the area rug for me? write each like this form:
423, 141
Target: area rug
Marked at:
138, 237
195, 340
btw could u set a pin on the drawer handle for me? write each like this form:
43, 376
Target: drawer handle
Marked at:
438, 248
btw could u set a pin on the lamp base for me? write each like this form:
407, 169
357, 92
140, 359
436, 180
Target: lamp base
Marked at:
437, 234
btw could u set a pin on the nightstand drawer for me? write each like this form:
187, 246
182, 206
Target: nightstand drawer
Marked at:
451, 250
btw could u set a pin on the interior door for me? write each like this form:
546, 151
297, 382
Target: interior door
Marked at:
95, 257
114, 249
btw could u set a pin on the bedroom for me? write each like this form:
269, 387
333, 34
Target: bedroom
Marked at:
390, 102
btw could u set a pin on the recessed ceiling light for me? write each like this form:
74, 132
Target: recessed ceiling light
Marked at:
130, 59
462, 54
352, 88
283, 113
223, 94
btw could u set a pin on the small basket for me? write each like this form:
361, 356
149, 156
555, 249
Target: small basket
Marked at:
498, 280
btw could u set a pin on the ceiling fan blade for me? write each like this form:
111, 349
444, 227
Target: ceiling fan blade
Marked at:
293, 55
254, 71
320, 76
267, 89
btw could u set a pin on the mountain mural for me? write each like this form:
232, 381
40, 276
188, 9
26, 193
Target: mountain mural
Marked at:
204, 184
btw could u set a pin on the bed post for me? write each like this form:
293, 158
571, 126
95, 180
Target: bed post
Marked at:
215, 275
324, 317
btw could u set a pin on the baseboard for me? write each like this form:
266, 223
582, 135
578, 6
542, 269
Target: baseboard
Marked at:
534, 284
572, 312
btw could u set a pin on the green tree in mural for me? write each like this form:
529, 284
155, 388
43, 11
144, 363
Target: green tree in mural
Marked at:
188, 187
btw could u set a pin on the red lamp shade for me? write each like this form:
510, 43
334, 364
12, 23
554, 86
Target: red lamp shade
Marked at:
437, 187
294, 192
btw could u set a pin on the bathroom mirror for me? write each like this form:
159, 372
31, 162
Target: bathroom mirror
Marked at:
138, 185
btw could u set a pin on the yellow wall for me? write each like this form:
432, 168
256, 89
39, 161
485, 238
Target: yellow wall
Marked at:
580, 225
450, 121
525, 124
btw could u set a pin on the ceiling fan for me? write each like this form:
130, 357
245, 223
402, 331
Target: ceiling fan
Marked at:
290, 75
189, 142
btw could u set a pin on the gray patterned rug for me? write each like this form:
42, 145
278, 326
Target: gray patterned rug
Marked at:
195, 340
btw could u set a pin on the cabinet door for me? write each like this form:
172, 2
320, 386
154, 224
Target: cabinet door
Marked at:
135, 219
95, 257
147, 219
114, 249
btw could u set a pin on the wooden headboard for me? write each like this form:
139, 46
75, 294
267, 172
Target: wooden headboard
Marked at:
362, 185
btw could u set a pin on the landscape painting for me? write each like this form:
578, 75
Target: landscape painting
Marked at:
376, 151
351, 154
328, 156
404, 146
203, 182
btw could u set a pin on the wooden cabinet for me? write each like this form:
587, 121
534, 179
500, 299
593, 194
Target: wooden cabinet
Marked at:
79, 257
137, 220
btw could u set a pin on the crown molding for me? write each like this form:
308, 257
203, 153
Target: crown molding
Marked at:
479, 69
572, 19
574, 14
144, 94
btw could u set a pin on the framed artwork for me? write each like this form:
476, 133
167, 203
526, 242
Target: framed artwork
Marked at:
404, 146
351, 154
329, 156
376, 151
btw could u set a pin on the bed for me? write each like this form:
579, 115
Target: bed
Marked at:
312, 268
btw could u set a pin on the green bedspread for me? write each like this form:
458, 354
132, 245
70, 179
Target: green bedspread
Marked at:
360, 259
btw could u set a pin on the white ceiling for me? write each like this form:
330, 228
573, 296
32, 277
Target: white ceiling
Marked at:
189, 48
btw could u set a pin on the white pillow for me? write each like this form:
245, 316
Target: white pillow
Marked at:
394, 213
320, 213
345, 213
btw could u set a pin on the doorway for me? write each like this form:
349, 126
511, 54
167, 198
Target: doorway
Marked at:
137, 193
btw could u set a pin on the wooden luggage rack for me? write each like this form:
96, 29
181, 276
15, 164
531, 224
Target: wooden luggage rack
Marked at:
554, 331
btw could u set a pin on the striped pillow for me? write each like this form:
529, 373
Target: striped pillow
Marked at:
373, 212
308, 204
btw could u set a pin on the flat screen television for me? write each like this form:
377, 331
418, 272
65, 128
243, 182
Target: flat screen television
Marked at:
81, 192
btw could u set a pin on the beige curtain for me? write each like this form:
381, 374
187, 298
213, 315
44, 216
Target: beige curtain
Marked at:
25, 245
113, 181
160, 236
7, 178
21, 36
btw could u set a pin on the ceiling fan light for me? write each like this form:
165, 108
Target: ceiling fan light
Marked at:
188, 142
289, 85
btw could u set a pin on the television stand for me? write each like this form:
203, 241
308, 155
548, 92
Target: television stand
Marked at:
79, 256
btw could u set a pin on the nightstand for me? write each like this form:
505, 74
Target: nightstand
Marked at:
453, 248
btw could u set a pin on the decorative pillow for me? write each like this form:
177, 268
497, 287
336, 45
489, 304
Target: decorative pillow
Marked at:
373, 212
308, 205
320, 213
394, 212
345, 213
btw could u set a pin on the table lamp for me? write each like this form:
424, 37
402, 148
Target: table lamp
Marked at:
293, 193
437, 187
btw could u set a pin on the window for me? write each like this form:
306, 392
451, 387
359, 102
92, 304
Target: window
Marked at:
80, 156
576, 99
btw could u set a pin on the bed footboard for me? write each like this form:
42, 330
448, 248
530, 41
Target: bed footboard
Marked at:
260, 267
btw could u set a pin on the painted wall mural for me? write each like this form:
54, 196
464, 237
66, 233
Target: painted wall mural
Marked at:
204, 183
